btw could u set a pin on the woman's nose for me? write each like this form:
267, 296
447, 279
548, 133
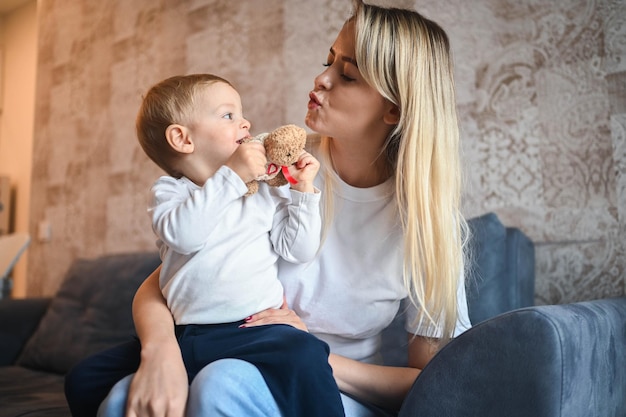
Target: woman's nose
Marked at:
324, 80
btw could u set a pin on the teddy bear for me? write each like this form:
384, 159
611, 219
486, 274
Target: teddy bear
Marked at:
283, 147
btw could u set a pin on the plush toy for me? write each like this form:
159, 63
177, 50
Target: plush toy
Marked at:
283, 147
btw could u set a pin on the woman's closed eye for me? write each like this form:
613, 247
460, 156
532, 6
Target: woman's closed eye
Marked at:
343, 76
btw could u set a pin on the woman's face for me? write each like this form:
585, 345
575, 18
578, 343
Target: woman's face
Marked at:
342, 104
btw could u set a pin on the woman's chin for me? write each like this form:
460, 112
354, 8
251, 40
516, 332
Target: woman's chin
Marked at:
312, 122
309, 121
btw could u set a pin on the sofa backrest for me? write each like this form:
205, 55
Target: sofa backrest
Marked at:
500, 276
91, 311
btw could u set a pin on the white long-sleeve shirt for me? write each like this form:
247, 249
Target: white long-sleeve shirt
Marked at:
220, 249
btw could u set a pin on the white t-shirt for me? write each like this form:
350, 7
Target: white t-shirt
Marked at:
353, 289
220, 249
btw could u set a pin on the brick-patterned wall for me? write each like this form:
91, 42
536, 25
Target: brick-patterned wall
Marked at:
541, 94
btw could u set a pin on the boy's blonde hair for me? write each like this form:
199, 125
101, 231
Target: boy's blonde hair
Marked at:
406, 58
168, 102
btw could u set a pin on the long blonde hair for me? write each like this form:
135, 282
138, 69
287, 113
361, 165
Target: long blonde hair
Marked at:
406, 57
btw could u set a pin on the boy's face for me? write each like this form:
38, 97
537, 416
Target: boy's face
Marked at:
217, 124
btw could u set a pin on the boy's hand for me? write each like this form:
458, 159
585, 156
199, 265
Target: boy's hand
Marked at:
304, 171
248, 161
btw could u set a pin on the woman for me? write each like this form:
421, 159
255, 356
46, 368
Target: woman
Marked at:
384, 108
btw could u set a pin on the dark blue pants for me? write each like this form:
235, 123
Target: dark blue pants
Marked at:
293, 363
88, 383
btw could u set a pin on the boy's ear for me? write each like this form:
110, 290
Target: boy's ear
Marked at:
179, 139
392, 114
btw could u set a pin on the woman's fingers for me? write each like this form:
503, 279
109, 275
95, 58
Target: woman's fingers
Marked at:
275, 316
159, 387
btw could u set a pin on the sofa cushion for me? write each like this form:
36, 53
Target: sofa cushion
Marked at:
24, 392
15, 333
90, 312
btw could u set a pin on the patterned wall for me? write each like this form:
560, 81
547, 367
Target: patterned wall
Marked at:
541, 95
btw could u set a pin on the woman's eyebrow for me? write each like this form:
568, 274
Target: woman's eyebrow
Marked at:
344, 58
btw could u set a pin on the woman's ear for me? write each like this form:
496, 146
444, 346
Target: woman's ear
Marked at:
392, 114
178, 138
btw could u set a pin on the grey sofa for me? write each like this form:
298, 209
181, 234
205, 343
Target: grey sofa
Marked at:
547, 361
480, 373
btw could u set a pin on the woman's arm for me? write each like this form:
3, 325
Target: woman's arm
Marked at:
160, 386
385, 386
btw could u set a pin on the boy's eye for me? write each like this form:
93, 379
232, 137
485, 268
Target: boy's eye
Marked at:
228, 116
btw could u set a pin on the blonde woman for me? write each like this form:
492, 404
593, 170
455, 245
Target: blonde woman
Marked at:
384, 111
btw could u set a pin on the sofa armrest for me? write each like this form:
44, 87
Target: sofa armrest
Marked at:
545, 361
18, 320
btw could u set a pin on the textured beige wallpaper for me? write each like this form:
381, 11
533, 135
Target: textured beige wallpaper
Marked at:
541, 95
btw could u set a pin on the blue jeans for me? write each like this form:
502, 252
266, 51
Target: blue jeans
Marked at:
228, 387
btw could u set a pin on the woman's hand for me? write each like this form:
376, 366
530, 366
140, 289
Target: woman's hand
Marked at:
282, 315
160, 386
304, 172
